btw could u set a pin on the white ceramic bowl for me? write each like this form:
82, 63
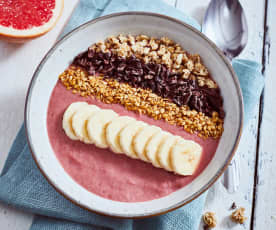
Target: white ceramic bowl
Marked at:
58, 59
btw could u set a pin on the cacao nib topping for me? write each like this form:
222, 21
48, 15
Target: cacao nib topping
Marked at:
156, 77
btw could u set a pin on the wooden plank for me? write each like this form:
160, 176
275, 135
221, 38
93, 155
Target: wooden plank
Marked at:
265, 206
12, 219
18, 62
218, 199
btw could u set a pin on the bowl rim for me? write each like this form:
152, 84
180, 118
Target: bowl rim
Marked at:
140, 13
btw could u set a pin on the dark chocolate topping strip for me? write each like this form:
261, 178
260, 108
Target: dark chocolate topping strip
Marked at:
156, 77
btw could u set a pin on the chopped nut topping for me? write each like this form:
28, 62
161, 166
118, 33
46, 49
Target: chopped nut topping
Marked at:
210, 219
238, 215
161, 51
142, 101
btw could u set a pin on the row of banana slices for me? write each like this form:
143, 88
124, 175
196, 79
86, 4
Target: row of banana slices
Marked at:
136, 139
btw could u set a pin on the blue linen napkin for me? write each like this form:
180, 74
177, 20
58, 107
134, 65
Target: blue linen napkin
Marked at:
23, 186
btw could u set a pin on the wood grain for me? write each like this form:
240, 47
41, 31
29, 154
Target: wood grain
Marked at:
265, 207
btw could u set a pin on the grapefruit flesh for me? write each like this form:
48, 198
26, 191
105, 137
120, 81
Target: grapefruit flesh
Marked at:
28, 18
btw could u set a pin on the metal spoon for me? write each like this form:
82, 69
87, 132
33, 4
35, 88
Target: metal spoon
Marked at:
225, 24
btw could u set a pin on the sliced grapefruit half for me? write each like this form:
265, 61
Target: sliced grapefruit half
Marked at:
21, 20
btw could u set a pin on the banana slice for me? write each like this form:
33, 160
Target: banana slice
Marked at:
112, 132
153, 146
96, 126
136, 139
79, 122
185, 157
67, 119
126, 136
141, 139
163, 153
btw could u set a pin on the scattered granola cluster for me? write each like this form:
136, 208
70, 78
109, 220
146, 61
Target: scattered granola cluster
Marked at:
143, 101
161, 51
210, 219
238, 215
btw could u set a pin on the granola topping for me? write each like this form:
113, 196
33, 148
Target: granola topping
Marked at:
143, 101
238, 215
210, 219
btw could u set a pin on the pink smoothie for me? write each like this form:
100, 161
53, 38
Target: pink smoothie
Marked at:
110, 175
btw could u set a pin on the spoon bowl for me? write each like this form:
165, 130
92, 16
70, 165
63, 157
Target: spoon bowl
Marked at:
225, 24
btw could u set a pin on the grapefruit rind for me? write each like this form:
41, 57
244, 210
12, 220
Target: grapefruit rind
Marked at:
9, 33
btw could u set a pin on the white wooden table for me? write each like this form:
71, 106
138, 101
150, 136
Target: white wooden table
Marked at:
257, 147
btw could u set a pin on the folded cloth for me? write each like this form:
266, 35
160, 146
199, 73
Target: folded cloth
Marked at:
251, 82
23, 186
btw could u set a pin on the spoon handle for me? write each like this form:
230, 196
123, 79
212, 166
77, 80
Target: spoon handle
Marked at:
231, 178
